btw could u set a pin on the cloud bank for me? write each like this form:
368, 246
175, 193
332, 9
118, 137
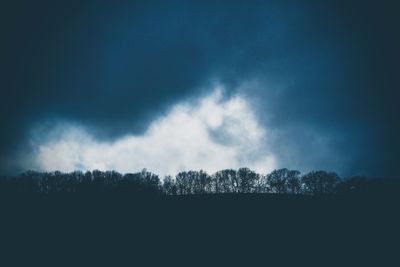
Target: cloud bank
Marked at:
210, 133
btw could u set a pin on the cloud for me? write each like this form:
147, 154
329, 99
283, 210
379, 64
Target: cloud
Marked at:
210, 133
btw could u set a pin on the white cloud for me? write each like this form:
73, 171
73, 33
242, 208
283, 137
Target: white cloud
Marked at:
211, 134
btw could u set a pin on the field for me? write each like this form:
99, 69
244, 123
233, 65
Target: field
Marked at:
220, 229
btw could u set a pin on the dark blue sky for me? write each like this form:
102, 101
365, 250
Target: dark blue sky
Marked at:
325, 70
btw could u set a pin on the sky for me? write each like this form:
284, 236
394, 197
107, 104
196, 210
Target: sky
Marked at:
179, 85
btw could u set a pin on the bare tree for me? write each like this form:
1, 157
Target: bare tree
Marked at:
321, 182
277, 180
225, 181
293, 182
247, 180
169, 186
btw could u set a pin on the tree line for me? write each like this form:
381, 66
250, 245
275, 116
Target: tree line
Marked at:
243, 180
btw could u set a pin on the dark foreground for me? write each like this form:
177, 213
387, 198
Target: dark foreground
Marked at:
267, 230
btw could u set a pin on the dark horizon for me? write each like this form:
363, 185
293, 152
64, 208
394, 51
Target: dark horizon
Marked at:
277, 121
146, 184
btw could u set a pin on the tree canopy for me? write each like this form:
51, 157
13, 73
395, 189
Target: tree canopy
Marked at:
243, 180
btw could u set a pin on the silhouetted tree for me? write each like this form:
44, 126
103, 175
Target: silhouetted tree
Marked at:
293, 182
150, 181
169, 186
261, 185
277, 180
247, 180
193, 182
202, 182
183, 183
321, 182
225, 181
